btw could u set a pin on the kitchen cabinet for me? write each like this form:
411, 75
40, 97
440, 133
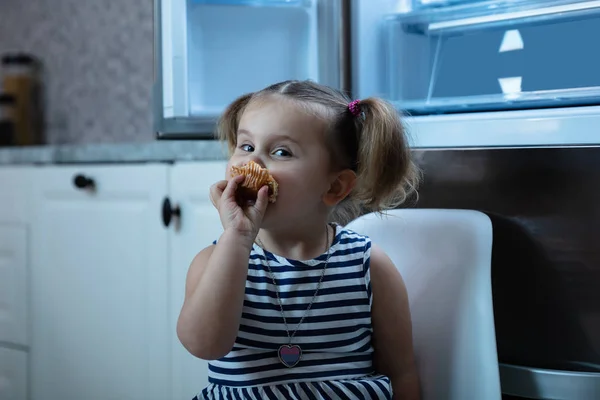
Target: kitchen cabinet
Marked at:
13, 286
93, 261
110, 250
13, 374
100, 278
14, 276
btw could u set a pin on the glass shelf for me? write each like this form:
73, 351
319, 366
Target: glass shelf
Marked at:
467, 15
494, 55
255, 3
423, 4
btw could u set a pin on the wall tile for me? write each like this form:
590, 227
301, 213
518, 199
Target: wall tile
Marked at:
98, 64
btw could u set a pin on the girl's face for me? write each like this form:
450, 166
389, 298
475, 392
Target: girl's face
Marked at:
290, 143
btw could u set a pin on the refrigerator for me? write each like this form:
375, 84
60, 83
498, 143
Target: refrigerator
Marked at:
501, 99
208, 52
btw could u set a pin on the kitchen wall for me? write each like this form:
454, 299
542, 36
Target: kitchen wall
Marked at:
98, 64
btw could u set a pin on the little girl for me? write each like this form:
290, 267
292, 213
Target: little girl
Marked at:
288, 304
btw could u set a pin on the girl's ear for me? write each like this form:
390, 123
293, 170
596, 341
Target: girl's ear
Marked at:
341, 187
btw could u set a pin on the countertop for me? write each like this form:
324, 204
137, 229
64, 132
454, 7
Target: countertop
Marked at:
157, 151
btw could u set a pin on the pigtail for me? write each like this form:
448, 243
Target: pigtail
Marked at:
386, 173
227, 125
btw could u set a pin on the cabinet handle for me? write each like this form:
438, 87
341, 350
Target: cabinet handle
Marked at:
168, 212
83, 182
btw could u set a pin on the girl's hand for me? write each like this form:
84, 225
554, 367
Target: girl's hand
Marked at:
243, 220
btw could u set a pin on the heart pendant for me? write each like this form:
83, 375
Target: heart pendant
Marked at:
289, 355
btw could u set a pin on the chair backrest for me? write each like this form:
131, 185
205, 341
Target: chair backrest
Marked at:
444, 257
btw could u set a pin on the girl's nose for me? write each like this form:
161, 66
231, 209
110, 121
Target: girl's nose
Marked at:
257, 159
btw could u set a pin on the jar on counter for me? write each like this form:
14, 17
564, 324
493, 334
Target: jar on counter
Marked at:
20, 74
7, 112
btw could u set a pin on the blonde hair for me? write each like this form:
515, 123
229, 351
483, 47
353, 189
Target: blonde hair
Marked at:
372, 143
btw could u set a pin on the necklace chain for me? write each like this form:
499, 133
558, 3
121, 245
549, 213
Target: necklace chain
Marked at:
287, 330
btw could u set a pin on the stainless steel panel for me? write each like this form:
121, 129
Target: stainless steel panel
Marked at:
536, 383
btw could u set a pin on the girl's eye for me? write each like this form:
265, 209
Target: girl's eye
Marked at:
282, 153
247, 147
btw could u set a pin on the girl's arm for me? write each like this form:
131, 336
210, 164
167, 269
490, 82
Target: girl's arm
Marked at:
214, 297
215, 286
392, 328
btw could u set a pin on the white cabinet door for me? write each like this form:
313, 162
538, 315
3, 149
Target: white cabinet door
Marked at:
15, 209
13, 286
15, 185
199, 227
13, 374
100, 283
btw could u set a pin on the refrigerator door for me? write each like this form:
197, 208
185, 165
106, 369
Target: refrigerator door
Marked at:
209, 52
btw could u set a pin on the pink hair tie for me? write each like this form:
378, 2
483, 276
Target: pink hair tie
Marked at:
353, 107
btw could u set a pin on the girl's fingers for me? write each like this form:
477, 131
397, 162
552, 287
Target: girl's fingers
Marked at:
216, 191
232, 185
262, 200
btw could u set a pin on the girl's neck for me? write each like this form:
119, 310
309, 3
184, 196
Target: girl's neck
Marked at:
300, 242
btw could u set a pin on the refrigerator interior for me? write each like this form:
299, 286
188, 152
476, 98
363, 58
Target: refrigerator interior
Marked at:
214, 51
492, 55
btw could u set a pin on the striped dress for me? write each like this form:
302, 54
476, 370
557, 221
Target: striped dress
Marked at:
335, 336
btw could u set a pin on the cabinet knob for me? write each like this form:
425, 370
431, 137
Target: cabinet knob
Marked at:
83, 182
168, 212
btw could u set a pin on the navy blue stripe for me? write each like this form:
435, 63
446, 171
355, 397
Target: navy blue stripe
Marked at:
236, 395
305, 332
269, 393
336, 253
317, 305
323, 393
256, 392
354, 390
348, 240
291, 376
369, 388
348, 251
338, 392
282, 268
295, 392
367, 262
235, 370
314, 346
305, 293
366, 268
307, 391
383, 389
363, 348
285, 391
307, 279
310, 319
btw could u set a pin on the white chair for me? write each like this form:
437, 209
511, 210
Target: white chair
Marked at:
444, 257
